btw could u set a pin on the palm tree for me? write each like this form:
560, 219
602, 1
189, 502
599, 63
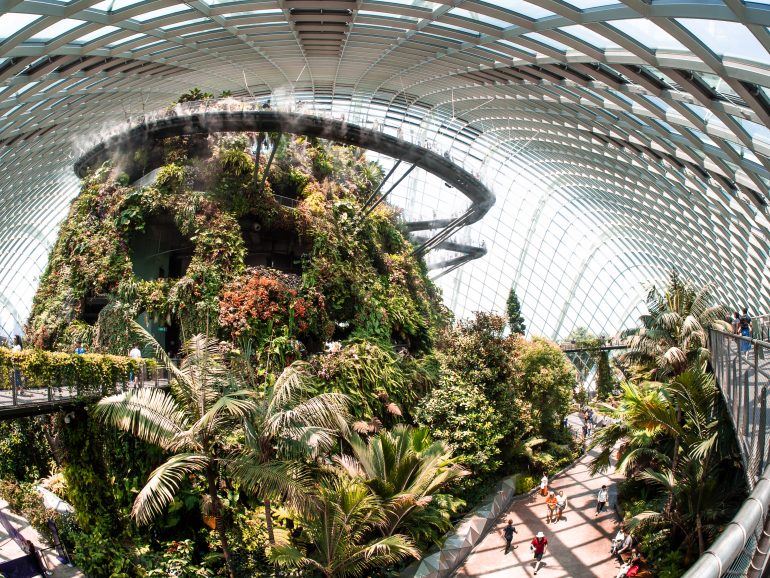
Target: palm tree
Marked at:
405, 468
190, 422
337, 526
287, 426
683, 417
674, 333
644, 420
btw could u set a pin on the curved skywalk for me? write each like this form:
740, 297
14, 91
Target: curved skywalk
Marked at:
620, 138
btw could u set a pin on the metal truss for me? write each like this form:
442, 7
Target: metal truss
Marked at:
620, 137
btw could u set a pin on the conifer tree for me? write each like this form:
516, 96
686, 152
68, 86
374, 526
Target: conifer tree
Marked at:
515, 320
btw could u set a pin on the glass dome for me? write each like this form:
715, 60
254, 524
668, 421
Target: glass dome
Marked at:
620, 138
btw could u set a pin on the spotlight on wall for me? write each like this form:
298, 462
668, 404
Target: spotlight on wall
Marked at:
69, 417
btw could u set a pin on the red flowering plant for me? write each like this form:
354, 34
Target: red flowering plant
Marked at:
260, 303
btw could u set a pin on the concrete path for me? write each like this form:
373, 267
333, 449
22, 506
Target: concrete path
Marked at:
9, 550
578, 545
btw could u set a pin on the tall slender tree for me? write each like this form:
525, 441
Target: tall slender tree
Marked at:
515, 319
191, 422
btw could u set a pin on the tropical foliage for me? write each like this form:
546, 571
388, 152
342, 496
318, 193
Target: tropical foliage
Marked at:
673, 439
322, 413
673, 334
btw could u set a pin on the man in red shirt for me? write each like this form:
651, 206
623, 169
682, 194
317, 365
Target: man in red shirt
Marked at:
538, 546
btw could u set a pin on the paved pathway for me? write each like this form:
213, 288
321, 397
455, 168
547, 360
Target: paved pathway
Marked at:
578, 546
9, 550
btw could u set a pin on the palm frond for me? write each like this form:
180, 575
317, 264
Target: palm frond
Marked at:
148, 413
163, 484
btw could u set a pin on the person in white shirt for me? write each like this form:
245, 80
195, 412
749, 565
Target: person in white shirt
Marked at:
544, 485
601, 500
16, 371
561, 505
135, 353
617, 542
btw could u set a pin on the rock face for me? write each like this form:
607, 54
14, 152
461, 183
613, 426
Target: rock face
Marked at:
190, 235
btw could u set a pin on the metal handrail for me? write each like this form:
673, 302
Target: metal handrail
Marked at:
742, 369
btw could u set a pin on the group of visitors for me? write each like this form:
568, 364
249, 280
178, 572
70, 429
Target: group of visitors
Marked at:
741, 325
621, 547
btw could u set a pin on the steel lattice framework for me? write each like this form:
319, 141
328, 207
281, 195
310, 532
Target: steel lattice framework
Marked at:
620, 138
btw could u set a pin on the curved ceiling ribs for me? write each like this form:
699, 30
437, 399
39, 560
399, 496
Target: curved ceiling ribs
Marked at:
597, 120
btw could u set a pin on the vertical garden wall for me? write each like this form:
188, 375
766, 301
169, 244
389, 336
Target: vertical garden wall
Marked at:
323, 369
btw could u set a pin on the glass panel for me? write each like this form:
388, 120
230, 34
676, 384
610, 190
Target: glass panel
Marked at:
277, 13
418, 3
718, 84
161, 12
524, 8
547, 41
114, 5
453, 27
586, 4
647, 34
127, 39
757, 131
11, 23
185, 23
589, 36
517, 47
56, 30
726, 38
483, 18
658, 102
98, 33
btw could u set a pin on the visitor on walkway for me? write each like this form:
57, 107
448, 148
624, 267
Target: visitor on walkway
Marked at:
626, 547
544, 485
135, 353
17, 377
736, 323
79, 349
617, 541
630, 568
551, 505
601, 500
745, 329
508, 533
538, 546
561, 505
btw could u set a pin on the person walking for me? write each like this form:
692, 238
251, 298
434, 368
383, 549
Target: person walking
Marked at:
736, 323
745, 321
544, 485
551, 506
17, 377
508, 533
135, 353
79, 349
601, 500
561, 505
538, 546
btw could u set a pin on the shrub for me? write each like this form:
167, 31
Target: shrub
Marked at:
524, 484
460, 414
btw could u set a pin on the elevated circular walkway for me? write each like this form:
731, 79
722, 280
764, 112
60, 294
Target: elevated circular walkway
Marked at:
225, 116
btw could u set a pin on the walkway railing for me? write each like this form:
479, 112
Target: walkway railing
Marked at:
36, 382
742, 369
